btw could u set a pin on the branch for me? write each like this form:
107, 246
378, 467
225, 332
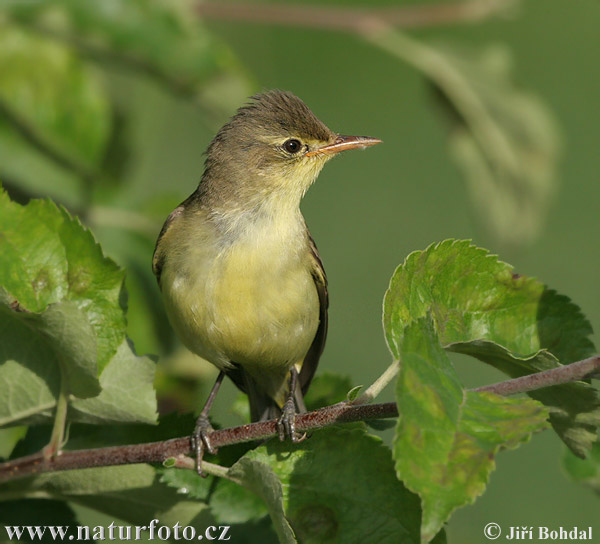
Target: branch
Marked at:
355, 20
158, 452
555, 376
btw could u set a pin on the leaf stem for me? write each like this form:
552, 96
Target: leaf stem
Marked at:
57, 438
379, 384
185, 462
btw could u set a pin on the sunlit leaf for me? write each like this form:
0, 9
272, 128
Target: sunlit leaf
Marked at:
480, 307
62, 314
447, 438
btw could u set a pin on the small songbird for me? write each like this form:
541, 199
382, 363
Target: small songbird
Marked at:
241, 278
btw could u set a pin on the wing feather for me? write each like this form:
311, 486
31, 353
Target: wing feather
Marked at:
311, 361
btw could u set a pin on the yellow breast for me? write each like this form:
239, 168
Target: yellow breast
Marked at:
252, 300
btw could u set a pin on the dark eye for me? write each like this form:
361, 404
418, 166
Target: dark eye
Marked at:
292, 146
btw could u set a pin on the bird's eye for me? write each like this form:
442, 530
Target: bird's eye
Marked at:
292, 146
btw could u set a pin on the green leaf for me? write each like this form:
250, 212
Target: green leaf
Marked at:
132, 493
62, 317
480, 307
9, 438
353, 393
230, 503
127, 395
380, 424
584, 471
504, 139
447, 438
53, 112
165, 41
45, 84
67, 330
324, 497
187, 482
574, 407
327, 388
37, 512
259, 478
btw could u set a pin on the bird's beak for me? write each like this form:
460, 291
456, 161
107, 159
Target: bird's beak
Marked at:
342, 143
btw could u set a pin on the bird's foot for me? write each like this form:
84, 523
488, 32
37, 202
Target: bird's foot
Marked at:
286, 424
201, 441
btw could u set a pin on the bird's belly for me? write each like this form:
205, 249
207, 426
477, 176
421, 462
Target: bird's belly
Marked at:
257, 311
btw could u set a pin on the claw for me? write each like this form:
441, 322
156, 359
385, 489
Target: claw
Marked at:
286, 424
201, 441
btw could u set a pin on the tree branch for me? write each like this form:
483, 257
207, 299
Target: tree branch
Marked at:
355, 20
158, 452
555, 376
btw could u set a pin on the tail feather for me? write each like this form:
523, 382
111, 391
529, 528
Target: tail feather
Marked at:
262, 406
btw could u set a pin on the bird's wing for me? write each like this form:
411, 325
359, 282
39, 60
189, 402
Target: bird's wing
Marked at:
158, 259
309, 366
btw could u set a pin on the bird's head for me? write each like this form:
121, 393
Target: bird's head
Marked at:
273, 145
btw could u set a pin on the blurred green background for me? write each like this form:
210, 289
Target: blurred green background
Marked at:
130, 94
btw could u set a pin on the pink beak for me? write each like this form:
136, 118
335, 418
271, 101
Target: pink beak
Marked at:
345, 142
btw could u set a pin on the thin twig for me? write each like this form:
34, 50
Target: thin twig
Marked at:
555, 376
356, 20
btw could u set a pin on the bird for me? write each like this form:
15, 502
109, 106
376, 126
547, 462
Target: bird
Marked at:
241, 278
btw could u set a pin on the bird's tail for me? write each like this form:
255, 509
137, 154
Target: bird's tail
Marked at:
262, 406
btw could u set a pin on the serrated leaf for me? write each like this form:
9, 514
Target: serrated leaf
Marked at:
573, 406
70, 335
324, 497
127, 395
447, 438
62, 314
230, 503
584, 471
187, 482
480, 307
132, 493
259, 478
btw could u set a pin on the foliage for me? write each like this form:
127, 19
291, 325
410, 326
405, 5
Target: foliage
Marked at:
66, 133
62, 297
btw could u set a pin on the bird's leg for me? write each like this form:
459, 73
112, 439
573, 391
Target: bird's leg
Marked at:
200, 440
286, 424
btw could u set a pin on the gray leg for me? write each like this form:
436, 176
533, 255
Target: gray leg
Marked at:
286, 425
200, 440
